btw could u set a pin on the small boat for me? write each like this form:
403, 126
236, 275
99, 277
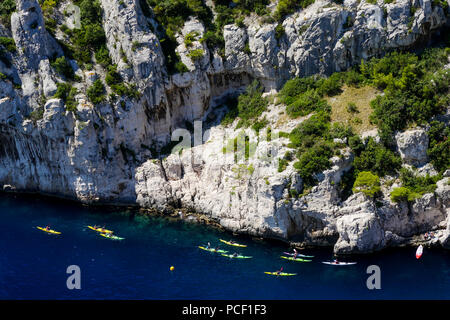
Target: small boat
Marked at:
298, 255
100, 229
419, 252
236, 257
338, 263
281, 273
111, 236
295, 259
213, 249
50, 231
232, 243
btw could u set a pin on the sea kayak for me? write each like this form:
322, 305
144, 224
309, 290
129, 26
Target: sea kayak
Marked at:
49, 231
419, 252
332, 263
281, 274
213, 250
236, 257
298, 255
296, 259
111, 236
233, 244
100, 229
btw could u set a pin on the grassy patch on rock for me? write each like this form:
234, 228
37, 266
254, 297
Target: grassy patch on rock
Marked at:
343, 107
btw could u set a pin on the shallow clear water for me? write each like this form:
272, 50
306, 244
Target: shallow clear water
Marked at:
33, 264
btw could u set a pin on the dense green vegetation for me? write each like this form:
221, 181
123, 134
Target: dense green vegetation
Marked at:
251, 104
63, 67
7, 7
313, 139
400, 194
313, 146
196, 54
367, 183
419, 184
232, 113
439, 146
8, 44
96, 92
372, 156
305, 95
413, 186
248, 107
115, 82
286, 7
90, 38
67, 93
415, 87
83, 45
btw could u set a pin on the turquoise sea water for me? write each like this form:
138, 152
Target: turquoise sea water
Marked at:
33, 264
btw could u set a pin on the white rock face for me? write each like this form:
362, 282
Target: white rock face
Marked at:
412, 146
359, 232
244, 197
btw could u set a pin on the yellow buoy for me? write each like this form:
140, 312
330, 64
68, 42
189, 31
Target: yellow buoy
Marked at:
172, 268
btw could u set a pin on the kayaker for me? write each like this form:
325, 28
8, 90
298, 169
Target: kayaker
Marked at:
208, 245
47, 228
235, 254
295, 253
336, 261
279, 271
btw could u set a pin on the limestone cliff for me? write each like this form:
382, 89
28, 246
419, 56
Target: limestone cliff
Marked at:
108, 152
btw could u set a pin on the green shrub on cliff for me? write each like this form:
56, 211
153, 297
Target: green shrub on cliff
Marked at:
88, 39
196, 54
401, 194
415, 89
377, 158
310, 130
96, 93
7, 7
67, 93
439, 146
63, 67
251, 104
305, 103
367, 183
305, 95
286, 7
418, 184
8, 43
313, 161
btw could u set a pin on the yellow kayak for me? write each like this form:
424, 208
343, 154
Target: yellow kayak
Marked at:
233, 243
49, 231
100, 230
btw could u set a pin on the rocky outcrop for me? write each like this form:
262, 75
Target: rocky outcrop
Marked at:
327, 37
412, 146
35, 47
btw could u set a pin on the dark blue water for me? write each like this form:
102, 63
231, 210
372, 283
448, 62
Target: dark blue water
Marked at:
33, 264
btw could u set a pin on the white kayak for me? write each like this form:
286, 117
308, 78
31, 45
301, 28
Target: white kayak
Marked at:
419, 252
332, 263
